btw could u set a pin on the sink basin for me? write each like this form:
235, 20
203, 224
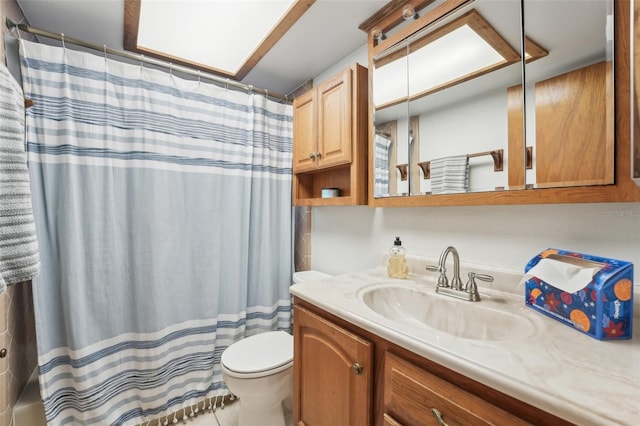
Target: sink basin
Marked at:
485, 320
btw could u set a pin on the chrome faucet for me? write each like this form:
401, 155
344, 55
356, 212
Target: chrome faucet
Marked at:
469, 291
443, 281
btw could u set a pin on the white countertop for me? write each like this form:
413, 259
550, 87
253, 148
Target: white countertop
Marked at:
552, 367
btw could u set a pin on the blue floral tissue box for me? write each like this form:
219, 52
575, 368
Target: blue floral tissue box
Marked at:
589, 293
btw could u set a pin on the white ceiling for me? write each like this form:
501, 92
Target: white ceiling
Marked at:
324, 35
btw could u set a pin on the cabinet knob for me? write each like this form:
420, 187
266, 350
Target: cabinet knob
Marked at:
438, 415
358, 369
312, 156
318, 154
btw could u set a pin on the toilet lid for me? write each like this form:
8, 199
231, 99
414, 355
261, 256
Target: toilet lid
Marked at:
259, 353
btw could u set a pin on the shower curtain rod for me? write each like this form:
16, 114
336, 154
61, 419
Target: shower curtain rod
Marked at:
144, 59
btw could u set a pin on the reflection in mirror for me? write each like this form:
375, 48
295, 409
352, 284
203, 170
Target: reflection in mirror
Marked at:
392, 127
569, 93
453, 105
385, 158
414, 155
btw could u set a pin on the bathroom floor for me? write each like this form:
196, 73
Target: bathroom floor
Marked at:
227, 416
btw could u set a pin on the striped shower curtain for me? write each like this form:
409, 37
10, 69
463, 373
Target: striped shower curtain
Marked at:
163, 214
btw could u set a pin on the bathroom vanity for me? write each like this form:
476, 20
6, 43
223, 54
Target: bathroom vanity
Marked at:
365, 353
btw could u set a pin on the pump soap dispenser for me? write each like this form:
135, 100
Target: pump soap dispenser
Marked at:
397, 267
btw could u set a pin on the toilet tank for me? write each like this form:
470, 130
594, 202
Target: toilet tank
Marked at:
306, 276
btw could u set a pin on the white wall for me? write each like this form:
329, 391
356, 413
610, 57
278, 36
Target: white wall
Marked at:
359, 55
352, 238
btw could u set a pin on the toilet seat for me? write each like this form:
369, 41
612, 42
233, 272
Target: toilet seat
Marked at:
259, 355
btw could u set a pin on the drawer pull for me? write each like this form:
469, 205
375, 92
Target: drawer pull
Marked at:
438, 415
358, 369
312, 156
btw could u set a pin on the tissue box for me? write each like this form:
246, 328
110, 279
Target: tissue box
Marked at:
602, 309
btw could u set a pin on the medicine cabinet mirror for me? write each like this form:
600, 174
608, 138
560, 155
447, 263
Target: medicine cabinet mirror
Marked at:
448, 109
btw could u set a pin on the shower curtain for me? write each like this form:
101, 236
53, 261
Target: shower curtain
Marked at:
163, 214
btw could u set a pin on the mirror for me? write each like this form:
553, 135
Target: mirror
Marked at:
439, 131
391, 123
569, 93
446, 87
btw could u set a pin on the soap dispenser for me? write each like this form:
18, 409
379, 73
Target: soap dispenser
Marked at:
397, 267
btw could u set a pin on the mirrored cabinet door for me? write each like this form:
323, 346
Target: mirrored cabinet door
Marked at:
391, 137
506, 102
570, 118
448, 111
461, 69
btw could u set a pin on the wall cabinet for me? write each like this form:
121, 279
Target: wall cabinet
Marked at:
322, 125
577, 150
330, 140
332, 373
395, 387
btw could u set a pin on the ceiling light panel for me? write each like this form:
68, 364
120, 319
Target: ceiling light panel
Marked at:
217, 34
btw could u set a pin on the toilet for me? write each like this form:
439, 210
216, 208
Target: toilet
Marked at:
259, 371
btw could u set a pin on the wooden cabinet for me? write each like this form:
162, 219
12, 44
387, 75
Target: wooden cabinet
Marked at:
330, 140
332, 373
413, 396
322, 125
396, 386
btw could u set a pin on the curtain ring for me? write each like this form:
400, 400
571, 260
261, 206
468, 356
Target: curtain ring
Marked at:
250, 89
266, 94
141, 63
104, 48
17, 28
62, 37
226, 84
199, 78
171, 69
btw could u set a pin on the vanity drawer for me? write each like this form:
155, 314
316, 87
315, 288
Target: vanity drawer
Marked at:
412, 396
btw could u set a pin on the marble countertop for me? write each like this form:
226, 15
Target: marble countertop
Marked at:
548, 365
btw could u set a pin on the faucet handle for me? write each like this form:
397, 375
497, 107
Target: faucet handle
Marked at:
481, 277
472, 288
443, 281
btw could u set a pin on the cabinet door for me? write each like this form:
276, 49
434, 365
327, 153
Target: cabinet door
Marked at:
332, 373
574, 140
304, 132
413, 396
335, 120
